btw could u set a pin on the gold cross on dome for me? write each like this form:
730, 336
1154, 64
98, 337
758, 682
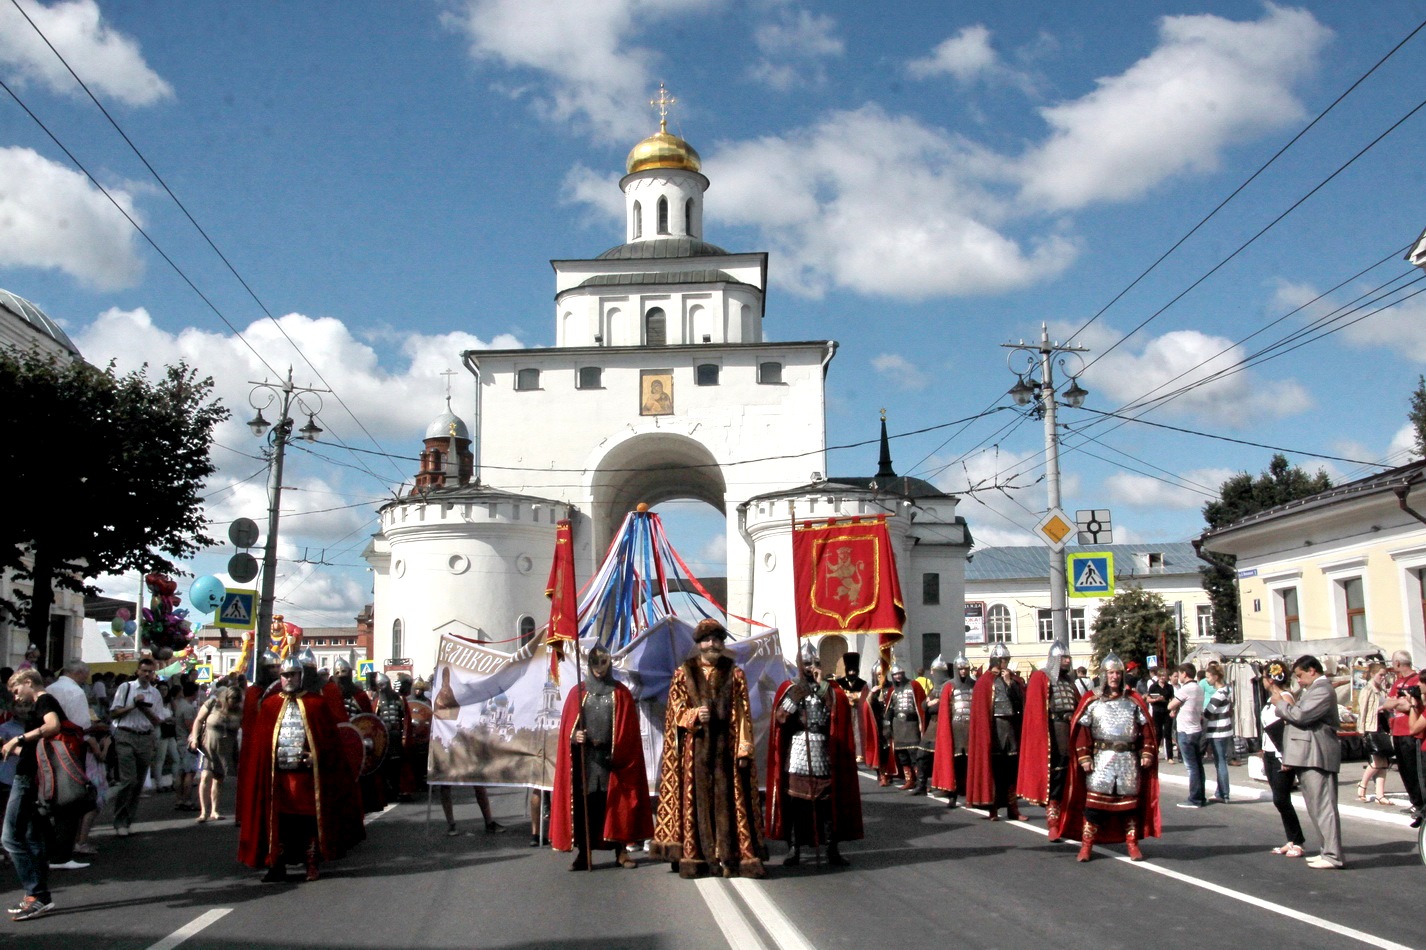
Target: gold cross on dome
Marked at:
663, 102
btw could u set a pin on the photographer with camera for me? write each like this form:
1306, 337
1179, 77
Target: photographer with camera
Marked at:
136, 712
1312, 749
1398, 703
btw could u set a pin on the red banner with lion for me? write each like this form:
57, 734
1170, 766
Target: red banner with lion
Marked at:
846, 579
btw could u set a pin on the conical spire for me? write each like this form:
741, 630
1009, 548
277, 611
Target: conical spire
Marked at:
883, 464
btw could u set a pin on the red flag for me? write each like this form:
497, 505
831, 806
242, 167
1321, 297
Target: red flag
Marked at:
564, 607
846, 580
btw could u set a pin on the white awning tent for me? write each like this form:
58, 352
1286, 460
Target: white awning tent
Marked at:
1249, 651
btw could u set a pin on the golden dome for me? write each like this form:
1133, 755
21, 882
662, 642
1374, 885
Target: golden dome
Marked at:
663, 149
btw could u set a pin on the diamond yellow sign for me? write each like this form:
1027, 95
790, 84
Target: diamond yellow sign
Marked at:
1055, 528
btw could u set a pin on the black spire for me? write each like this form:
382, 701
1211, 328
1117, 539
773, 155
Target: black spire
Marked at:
883, 464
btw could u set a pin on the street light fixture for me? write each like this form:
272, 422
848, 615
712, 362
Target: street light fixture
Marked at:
1041, 391
283, 395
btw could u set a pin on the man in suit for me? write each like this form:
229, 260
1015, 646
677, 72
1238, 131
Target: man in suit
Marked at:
1314, 752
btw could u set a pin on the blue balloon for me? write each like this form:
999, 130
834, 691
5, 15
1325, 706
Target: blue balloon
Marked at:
206, 594
130, 626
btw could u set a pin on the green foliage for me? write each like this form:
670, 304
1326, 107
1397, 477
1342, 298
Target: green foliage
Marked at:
1129, 625
1417, 415
1238, 497
105, 473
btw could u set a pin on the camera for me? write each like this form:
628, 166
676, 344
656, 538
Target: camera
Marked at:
1414, 692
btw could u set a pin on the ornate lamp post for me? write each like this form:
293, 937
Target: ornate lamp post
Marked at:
264, 396
1030, 358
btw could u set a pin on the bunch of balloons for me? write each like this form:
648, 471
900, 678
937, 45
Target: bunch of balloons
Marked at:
165, 624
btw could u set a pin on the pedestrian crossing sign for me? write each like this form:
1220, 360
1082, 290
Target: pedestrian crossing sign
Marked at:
1091, 575
364, 669
238, 609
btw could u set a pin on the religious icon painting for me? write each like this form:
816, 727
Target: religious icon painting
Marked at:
655, 392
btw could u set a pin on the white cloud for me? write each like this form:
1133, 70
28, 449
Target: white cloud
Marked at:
110, 63
1210, 83
964, 56
53, 218
593, 70
1400, 328
837, 213
1141, 491
793, 46
901, 371
600, 192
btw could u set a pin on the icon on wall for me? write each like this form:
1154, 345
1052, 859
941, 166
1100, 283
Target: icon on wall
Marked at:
655, 392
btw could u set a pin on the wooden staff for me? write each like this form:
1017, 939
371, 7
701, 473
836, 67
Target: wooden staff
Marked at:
583, 793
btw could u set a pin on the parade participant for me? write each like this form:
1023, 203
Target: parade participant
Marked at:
601, 792
993, 749
265, 678
813, 796
878, 748
953, 731
1113, 795
354, 699
926, 748
708, 783
304, 805
1050, 700
904, 721
857, 692
390, 708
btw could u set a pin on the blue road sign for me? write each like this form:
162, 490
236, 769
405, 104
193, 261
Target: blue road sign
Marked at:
1091, 575
238, 609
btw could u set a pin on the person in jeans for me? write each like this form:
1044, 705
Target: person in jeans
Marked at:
1274, 738
1398, 703
1158, 693
26, 829
1218, 726
1187, 710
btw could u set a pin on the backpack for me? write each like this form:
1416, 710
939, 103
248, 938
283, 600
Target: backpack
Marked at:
60, 773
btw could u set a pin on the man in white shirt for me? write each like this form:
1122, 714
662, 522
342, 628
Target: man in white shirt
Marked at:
136, 712
1187, 709
68, 688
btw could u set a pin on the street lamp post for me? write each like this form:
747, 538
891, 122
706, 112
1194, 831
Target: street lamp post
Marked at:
1041, 392
308, 401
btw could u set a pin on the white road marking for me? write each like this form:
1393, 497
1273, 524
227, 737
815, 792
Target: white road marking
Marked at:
388, 808
191, 928
737, 930
772, 918
1375, 813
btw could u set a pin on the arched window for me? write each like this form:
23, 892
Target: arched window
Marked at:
770, 374
655, 326
705, 374
398, 640
688, 217
527, 379
526, 629
997, 624
663, 215
638, 219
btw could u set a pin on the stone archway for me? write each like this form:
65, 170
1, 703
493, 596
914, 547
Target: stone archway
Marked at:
652, 467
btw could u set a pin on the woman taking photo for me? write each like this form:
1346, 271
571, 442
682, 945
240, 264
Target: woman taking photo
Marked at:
1279, 781
25, 827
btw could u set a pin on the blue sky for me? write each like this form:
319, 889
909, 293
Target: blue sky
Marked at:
931, 179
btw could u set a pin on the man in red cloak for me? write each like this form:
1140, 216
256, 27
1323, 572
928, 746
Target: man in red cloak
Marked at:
904, 720
266, 678
953, 731
1045, 751
304, 804
601, 792
812, 796
997, 706
1113, 793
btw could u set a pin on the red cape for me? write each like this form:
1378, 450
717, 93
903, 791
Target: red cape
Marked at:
1146, 815
252, 699
842, 756
980, 783
871, 731
338, 803
627, 815
943, 769
1033, 781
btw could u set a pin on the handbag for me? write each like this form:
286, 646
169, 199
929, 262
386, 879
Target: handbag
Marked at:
60, 772
1380, 744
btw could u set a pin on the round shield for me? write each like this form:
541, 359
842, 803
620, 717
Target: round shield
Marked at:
353, 748
421, 715
373, 738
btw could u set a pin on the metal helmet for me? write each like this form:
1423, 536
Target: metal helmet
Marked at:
383, 682
897, 669
1000, 652
961, 663
1110, 663
939, 663
270, 658
307, 658
292, 663
1053, 660
341, 666
807, 653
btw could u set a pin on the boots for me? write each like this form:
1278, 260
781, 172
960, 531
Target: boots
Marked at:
1086, 845
922, 779
276, 874
581, 861
909, 774
312, 873
1052, 820
951, 800
834, 856
623, 858
1013, 812
1131, 841
882, 778
794, 857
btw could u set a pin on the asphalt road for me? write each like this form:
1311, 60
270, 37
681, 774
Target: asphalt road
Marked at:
923, 873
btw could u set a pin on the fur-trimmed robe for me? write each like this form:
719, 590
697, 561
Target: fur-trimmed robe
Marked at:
708, 800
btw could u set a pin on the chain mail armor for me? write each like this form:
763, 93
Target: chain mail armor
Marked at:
1064, 697
291, 737
598, 713
807, 752
1116, 726
388, 709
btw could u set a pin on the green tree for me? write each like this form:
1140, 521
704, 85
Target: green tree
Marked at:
1417, 415
1238, 497
1129, 626
105, 473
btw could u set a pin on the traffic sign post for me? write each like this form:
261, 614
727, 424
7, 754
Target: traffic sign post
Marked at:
1091, 575
1055, 528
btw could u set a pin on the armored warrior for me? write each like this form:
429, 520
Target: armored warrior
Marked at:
601, 792
926, 748
304, 804
354, 699
1113, 795
265, 679
1050, 700
390, 708
877, 749
857, 693
953, 731
904, 721
813, 796
993, 752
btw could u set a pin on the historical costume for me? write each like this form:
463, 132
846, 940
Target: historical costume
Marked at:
1045, 752
812, 796
601, 792
857, 692
353, 702
993, 752
265, 679
877, 750
953, 731
926, 748
390, 708
304, 804
1113, 794
904, 721
708, 813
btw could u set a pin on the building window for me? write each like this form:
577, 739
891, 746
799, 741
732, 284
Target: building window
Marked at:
1291, 622
1045, 621
590, 377
930, 648
1076, 619
655, 328
638, 220
997, 624
663, 215
688, 217
930, 589
527, 379
526, 629
770, 374
1354, 596
1205, 621
705, 374
398, 640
